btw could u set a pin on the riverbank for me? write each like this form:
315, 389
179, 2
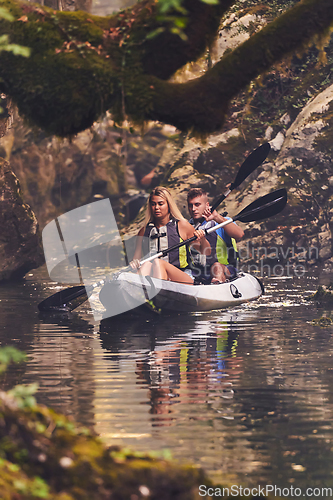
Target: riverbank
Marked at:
46, 455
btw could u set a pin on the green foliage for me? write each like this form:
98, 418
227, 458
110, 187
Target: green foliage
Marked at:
9, 354
173, 16
5, 14
5, 44
16, 49
14, 483
23, 395
165, 6
37, 487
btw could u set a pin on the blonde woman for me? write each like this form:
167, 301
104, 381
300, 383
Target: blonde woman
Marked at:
164, 227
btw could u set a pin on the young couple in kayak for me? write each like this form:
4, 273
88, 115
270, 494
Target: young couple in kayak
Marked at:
207, 259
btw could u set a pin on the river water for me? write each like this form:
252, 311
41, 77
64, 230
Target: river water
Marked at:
247, 393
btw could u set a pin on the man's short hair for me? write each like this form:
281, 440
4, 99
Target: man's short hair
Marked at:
194, 192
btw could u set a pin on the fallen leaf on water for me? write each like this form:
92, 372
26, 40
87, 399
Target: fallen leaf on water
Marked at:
298, 467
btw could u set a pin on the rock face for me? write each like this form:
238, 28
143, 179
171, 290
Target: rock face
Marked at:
58, 175
299, 161
20, 248
291, 108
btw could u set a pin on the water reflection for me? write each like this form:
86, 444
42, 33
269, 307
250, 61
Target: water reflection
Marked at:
246, 393
169, 362
235, 392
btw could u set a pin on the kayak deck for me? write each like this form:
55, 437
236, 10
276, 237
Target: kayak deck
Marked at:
130, 291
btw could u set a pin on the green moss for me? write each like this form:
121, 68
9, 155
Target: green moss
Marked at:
67, 462
70, 78
324, 321
69, 459
324, 295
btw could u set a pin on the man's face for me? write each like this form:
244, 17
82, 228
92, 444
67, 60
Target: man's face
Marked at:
197, 206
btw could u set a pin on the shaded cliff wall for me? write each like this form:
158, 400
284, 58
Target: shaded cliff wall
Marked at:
106, 161
58, 175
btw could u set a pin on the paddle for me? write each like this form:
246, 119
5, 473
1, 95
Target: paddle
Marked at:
248, 166
262, 208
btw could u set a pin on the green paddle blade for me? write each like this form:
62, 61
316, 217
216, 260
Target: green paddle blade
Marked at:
267, 206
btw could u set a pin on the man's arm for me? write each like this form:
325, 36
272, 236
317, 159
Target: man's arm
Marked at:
231, 229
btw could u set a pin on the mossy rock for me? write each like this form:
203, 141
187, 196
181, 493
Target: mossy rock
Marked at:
323, 321
46, 455
324, 295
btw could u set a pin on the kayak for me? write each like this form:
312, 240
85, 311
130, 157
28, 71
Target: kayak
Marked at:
129, 292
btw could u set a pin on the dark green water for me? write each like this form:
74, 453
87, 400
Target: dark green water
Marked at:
247, 393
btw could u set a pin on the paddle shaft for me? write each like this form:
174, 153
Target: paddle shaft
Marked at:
219, 200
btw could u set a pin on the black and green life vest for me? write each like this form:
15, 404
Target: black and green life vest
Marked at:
223, 248
158, 239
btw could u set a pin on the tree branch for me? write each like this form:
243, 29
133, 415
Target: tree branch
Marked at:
200, 105
165, 54
82, 65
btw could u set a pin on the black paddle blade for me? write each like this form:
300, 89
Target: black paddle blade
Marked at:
248, 166
65, 300
251, 163
264, 207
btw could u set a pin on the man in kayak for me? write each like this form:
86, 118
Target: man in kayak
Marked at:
164, 227
221, 264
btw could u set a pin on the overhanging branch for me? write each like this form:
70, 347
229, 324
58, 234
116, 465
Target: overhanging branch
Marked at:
82, 65
200, 105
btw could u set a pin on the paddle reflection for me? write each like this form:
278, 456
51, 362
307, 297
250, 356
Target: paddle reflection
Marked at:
179, 360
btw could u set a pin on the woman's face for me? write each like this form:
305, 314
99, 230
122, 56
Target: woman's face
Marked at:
159, 207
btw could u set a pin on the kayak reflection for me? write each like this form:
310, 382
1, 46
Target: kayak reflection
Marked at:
179, 360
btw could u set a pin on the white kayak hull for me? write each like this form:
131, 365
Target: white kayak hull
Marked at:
130, 291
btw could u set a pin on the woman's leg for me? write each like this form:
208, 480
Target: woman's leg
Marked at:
145, 269
163, 270
166, 271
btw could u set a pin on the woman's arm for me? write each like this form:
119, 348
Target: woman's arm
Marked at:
187, 231
138, 246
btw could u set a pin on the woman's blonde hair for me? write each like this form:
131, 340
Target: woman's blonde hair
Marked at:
166, 195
